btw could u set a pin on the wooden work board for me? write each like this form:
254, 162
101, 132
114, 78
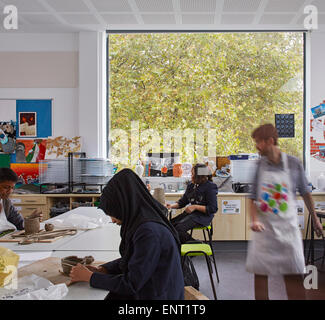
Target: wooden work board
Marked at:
19, 236
50, 269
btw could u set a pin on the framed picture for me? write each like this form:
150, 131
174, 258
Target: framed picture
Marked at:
27, 124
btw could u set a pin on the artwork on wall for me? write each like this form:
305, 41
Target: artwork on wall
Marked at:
31, 150
27, 124
318, 111
7, 136
27, 172
59, 147
39, 113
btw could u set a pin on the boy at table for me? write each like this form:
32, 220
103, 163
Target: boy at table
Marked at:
10, 218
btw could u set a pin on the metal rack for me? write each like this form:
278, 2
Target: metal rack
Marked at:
77, 175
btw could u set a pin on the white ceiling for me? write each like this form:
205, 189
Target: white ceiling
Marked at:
77, 15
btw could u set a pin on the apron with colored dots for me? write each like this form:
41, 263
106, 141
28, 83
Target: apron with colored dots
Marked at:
279, 248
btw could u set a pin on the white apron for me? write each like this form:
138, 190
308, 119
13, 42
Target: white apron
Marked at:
279, 248
4, 223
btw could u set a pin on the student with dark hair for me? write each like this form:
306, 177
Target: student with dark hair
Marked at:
8, 179
201, 194
150, 263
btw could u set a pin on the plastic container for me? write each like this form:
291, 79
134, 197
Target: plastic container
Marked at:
321, 182
243, 171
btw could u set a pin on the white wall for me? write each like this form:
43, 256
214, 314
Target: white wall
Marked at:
65, 99
92, 92
317, 90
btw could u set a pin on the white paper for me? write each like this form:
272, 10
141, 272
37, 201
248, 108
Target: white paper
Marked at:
231, 206
15, 200
300, 207
81, 218
34, 287
26, 258
301, 222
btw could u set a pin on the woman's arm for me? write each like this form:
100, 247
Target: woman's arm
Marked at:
255, 224
141, 266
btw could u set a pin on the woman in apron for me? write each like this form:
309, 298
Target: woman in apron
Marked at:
276, 247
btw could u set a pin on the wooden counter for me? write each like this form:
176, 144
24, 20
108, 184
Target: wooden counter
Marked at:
226, 226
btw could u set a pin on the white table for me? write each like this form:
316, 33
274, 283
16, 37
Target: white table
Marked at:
101, 243
82, 290
14, 246
101, 239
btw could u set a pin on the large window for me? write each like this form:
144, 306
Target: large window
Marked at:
206, 90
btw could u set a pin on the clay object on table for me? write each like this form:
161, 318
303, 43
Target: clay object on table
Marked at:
71, 261
32, 225
49, 227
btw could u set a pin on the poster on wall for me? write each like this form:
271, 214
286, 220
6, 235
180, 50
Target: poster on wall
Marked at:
27, 172
59, 147
30, 150
27, 124
34, 118
318, 111
317, 144
7, 136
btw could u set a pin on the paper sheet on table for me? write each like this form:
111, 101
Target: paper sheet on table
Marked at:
26, 258
82, 218
34, 287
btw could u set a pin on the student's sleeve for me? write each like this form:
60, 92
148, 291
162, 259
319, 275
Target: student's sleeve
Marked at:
112, 266
141, 266
15, 217
302, 183
183, 201
211, 198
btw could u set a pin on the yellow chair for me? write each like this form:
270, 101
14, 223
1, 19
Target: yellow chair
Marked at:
209, 231
199, 249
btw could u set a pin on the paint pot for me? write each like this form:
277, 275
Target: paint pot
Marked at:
159, 195
32, 225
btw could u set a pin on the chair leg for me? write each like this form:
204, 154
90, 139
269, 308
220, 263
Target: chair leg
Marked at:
305, 242
213, 257
210, 275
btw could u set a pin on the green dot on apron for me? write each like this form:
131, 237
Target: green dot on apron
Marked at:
272, 203
283, 206
278, 187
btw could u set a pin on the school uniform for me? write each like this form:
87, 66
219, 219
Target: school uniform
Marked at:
154, 268
204, 194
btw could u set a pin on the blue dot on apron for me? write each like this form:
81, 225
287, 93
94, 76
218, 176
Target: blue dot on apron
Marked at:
265, 196
275, 211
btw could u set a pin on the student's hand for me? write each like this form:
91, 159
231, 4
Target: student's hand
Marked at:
318, 227
168, 206
96, 269
80, 273
257, 226
190, 209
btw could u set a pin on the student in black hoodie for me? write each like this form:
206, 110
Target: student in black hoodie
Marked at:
150, 264
201, 194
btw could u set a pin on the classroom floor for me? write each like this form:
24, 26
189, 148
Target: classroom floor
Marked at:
237, 284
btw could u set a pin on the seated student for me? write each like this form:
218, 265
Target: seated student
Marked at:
8, 179
202, 195
150, 263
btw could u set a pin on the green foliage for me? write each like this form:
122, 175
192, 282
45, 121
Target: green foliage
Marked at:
231, 82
